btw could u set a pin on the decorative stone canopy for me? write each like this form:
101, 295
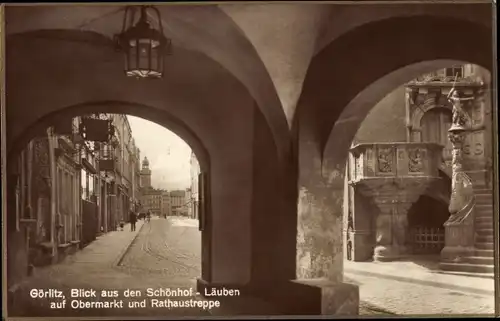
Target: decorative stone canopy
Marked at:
394, 175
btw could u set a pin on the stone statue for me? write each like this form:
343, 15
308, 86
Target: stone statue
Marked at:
460, 116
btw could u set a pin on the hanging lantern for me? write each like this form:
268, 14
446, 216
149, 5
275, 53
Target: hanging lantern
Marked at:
96, 128
144, 47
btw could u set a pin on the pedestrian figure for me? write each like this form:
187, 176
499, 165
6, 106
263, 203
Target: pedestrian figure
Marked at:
148, 216
133, 220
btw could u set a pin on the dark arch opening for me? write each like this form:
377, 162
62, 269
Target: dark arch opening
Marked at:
427, 216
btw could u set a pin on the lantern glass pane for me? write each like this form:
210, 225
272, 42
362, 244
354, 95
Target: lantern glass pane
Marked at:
132, 61
144, 60
154, 59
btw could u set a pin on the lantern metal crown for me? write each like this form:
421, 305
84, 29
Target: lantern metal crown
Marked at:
143, 45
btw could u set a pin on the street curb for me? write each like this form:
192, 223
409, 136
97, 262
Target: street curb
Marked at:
369, 306
120, 257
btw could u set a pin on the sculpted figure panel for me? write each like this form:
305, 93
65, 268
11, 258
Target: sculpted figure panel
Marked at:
385, 161
415, 160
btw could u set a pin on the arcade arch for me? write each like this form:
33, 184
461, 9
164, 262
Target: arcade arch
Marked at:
205, 29
49, 77
333, 104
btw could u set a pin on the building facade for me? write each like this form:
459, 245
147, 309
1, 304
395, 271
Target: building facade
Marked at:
421, 120
166, 209
178, 204
65, 191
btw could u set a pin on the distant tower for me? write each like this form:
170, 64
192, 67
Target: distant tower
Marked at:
145, 174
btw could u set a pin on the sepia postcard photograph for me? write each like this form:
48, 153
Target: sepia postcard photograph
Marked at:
171, 160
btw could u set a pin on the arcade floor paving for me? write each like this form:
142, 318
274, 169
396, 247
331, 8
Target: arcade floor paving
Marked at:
418, 287
165, 253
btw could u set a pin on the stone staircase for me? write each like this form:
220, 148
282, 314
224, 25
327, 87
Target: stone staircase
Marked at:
483, 259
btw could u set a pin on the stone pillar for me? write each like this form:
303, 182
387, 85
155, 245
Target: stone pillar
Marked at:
105, 206
53, 195
361, 234
114, 219
392, 229
319, 286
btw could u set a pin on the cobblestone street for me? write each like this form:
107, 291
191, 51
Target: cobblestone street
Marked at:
160, 254
166, 252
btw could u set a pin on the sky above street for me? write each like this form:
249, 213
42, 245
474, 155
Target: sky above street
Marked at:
167, 153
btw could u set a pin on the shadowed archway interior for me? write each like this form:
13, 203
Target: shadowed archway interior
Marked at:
336, 98
199, 100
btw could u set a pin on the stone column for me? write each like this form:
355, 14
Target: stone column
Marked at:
361, 232
105, 206
53, 195
98, 192
391, 229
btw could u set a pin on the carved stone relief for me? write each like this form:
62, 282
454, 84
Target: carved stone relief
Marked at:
385, 161
478, 141
352, 166
370, 162
415, 160
359, 167
477, 113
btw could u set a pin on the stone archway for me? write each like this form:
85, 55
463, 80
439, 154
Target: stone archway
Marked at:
193, 98
162, 118
341, 86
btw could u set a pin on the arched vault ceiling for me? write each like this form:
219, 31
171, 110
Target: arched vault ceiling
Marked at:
287, 36
203, 28
267, 47
284, 36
